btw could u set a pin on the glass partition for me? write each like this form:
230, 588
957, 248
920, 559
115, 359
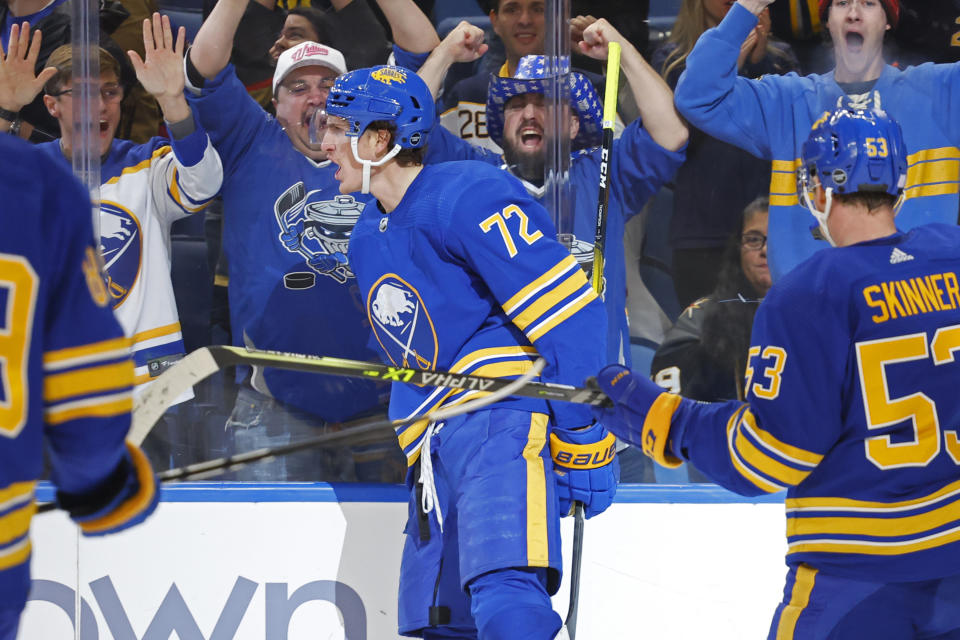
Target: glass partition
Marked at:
263, 264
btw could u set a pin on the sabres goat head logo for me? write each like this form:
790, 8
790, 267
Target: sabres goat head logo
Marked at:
121, 245
389, 75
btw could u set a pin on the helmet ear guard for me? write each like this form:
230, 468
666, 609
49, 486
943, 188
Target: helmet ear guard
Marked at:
851, 151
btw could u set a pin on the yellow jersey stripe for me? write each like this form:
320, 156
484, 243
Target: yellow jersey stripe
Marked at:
17, 523
926, 190
761, 483
785, 166
561, 314
880, 527
799, 599
545, 280
550, 299
849, 504
780, 448
463, 364
15, 554
16, 493
538, 549
784, 201
140, 166
875, 548
759, 460
107, 377
939, 153
100, 407
156, 332
181, 200
86, 354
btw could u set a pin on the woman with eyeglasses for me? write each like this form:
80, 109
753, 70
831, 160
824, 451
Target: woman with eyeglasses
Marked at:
703, 356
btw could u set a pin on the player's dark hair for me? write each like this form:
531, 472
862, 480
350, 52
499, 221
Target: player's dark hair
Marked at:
406, 157
728, 322
62, 60
872, 200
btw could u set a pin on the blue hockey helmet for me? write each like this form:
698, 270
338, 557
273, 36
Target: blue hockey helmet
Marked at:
388, 93
850, 151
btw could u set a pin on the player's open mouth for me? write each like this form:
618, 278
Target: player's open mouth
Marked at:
104, 125
526, 37
854, 41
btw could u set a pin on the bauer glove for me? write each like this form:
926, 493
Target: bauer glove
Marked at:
586, 467
125, 498
641, 413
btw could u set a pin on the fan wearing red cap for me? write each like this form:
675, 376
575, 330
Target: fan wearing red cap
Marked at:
771, 117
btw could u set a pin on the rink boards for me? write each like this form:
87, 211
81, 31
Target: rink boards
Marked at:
321, 562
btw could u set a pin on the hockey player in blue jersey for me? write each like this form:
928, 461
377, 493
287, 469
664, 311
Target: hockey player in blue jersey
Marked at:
460, 270
770, 117
66, 373
852, 404
643, 159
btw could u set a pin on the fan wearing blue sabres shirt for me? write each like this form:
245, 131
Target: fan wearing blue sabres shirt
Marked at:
460, 270
66, 374
642, 159
770, 117
852, 403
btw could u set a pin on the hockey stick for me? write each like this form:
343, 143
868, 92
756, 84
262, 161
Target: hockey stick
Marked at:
596, 280
606, 149
363, 431
206, 361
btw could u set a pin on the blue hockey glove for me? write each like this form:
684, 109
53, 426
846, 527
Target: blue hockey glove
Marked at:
290, 239
641, 413
326, 263
586, 467
122, 500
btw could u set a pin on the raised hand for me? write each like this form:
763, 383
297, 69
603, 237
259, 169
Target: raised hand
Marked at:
18, 83
161, 73
597, 37
579, 24
464, 43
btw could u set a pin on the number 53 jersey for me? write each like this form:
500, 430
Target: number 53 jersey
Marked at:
466, 275
853, 386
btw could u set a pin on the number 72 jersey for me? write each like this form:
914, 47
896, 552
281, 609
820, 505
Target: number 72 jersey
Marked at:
853, 389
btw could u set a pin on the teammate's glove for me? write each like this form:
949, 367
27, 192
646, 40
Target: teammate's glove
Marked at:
641, 413
586, 467
125, 498
290, 239
327, 262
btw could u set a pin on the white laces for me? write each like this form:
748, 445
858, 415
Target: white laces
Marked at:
428, 497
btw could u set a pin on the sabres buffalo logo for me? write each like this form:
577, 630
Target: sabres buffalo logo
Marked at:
121, 245
401, 323
389, 75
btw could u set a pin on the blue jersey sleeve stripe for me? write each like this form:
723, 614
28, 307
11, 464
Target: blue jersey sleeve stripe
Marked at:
16, 523
82, 355
761, 460
99, 379
537, 308
527, 292
752, 476
15, 554
16, 494
97, 407
791, 454
561, 315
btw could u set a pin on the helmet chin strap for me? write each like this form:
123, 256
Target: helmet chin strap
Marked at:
821, 216
366, 164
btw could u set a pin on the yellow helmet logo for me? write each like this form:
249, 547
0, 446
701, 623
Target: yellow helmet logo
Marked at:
389, 75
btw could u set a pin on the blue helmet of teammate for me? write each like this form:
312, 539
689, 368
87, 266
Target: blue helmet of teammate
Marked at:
850, 151
386, 93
